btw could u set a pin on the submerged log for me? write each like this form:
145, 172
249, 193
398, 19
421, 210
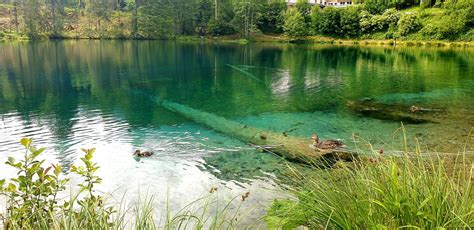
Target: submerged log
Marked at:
292, 148
246, 73
394, 112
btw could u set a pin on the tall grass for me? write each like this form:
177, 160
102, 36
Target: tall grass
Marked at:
409, 191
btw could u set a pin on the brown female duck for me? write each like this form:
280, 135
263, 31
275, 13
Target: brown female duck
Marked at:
138, 153
326, 144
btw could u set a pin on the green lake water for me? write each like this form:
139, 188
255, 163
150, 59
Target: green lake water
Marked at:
73, 94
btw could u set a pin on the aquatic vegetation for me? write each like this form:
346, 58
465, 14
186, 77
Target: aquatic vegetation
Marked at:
382, 193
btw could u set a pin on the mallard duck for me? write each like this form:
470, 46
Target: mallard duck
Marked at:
138, 153
325, 144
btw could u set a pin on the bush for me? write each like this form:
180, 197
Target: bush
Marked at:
328, 21
220, 27
408, 23
32, 201
294, 24
376, 7
446, 27
350, 22
271, 19
373, 23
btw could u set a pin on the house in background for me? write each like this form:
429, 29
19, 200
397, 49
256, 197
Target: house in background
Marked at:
323, 3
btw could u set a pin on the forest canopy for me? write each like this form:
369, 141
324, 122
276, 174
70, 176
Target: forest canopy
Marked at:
165, 19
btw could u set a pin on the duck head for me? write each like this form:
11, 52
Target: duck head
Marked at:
136, 153
315, 138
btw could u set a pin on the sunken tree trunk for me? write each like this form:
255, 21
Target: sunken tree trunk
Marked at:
292, 148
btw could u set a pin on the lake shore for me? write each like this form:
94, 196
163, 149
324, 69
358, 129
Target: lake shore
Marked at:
263, 38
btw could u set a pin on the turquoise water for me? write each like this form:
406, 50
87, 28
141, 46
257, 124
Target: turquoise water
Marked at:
74, 94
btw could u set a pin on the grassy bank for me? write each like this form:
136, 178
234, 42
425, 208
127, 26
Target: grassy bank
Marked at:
412, 190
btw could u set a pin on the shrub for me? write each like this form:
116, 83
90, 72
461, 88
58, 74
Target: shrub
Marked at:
446, 27
220, 27
373, 23
271, 19
32, 201
328, 21
294, 24
408, 23
350, 22
376, 7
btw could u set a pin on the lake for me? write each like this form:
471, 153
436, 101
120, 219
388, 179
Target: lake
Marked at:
68, 95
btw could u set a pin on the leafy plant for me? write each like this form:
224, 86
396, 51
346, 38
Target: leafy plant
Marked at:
33, 201
408, 23
34, 192
294, 24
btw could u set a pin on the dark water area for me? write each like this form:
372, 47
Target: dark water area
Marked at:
69, 95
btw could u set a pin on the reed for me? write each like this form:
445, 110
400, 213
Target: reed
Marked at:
383, 192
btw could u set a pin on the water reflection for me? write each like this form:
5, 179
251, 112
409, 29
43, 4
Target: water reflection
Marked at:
73, 94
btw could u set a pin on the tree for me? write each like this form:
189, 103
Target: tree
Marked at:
56, 15
98, 9
272, 18
294, 24
327, 21
350, 22
183, 16
156, 20
245, 13
202, 16
31, 17
304, 8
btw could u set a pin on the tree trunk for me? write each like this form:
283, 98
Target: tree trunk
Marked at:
15, 14
292, 148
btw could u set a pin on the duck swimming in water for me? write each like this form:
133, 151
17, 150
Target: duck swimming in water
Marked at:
138, 153
326, 144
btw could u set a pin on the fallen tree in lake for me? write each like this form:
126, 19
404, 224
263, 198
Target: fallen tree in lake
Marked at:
292, 148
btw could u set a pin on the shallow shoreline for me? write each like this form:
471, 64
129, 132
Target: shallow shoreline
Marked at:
275, 39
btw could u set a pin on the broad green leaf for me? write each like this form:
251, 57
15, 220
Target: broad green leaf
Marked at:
25, 141
57, 170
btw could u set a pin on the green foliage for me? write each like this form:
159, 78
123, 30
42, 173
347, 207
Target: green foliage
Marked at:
245, 14
34, 191
457, 18
328, 21
408, 23
166, 19
376, 6
389, 193
219, 27
203, 14
271, 19
32, 197
155, 20
350, 22
33, 201
304, 8
374, 23
294, 24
